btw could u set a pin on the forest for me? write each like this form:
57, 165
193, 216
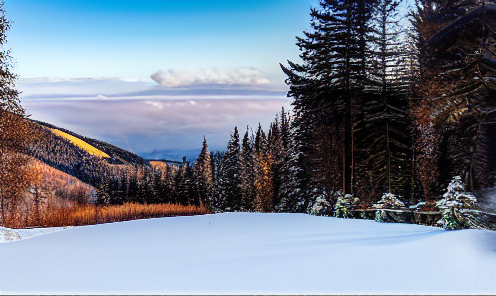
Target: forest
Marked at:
378, 108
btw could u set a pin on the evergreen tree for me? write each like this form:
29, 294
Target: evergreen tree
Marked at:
103, 192
327, 87
248, 190
383, 137
203, 176
264, 178
185, 192
229, 182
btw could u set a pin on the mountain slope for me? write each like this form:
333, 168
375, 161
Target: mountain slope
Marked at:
116, 155
58, 150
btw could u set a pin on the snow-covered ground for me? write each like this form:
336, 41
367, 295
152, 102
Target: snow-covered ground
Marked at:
247, 253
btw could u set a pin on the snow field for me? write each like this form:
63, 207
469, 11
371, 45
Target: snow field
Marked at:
251, 253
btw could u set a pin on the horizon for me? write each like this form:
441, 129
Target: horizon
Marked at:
155, 75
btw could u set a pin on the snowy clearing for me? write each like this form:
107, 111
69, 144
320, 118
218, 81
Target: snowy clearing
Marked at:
247, 253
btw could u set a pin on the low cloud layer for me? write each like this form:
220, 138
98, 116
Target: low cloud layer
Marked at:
240, 76
146, 118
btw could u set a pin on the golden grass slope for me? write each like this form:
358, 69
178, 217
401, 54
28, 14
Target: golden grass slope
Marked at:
80, 143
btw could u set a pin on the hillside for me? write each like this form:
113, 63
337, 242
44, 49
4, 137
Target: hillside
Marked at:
115, 154
63, 185
81, 144
86, 159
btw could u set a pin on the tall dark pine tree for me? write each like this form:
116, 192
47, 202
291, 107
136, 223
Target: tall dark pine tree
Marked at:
203, 175
383, 137
228, 197
247, 172
327, 87
278, 154
282, 158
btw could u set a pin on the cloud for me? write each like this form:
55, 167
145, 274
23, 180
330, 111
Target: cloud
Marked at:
156, 125
240, 76
144, 116
80, 87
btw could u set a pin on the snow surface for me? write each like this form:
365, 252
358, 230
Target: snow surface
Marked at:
251, 253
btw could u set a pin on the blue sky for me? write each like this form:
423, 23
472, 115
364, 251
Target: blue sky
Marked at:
123, 38
155, 75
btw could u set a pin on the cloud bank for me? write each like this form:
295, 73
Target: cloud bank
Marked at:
240, 76
146, 117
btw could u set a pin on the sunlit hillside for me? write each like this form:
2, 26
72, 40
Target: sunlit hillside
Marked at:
66, 184
82, 144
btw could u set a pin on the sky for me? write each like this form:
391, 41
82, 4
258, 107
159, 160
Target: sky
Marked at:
155, 75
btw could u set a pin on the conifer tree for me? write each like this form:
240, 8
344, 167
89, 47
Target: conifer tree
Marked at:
383, 137
248, 190
327, 87
264, 178
203, 175
229, 182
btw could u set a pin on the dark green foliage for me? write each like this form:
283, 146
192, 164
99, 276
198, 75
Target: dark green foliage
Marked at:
247, 155
203, 176
228, 193
383, 142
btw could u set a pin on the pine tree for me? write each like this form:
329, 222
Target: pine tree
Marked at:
229, 182
203, 176
185, 191
103, 192
327, 87
383, 158
264, 178
248, 190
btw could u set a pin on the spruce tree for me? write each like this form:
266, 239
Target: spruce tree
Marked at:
327, 87
247, 172
203, 176
229, 180
264, 177
383, 137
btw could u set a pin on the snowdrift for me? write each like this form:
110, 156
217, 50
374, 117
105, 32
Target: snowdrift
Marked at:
251, 253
